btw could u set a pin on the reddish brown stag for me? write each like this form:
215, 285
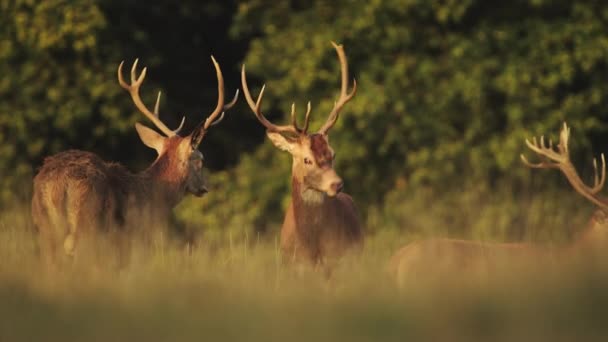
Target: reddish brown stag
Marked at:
437, 256
321, 221
77, 194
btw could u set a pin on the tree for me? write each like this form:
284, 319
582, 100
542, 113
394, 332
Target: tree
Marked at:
58, 62
448, 90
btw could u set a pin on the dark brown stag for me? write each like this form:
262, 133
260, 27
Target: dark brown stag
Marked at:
452, 256
77, 194
321, 221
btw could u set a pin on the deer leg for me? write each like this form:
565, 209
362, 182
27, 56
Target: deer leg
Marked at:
53, 219
47, 247
69, 241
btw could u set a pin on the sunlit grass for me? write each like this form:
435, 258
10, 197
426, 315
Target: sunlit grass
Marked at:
244, 291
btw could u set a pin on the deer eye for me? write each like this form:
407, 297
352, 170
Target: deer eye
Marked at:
197, 163
307, 161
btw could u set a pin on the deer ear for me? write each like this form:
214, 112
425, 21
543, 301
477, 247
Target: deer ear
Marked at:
150, 138
280, 141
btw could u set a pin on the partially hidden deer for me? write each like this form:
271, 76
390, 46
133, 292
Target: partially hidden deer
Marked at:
321, 221
76, 193
434, 256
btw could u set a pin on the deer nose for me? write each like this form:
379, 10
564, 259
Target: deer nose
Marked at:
337, 186
201, 191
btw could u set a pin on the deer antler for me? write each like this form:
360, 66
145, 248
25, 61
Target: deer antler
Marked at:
560, 159
133, 88
344, 95
256, 108
201, 129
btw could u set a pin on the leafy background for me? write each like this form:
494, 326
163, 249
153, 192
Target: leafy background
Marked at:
448, 90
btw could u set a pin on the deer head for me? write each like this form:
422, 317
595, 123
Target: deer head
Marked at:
312, 155
559, 158
179, 161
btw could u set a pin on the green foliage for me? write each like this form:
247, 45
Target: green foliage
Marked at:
51, 78
447, 90
58, 62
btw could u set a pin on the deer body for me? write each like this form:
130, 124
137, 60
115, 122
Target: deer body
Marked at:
321, 221
76, 193
437, 256
317, 226
440, 257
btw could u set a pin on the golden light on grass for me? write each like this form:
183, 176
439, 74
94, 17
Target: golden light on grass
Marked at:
243, 291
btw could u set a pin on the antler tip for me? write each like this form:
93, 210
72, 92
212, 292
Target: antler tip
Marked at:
134, 66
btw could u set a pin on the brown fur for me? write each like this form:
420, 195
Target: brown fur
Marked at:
437, 257
77, 194
321, 222
320, 231
320, 150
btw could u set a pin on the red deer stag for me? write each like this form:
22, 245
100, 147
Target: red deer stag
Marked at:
434, 256
76, 193
321, 221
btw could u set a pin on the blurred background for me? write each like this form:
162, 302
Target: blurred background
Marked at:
447, 93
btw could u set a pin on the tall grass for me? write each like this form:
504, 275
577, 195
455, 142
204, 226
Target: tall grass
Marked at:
242, 290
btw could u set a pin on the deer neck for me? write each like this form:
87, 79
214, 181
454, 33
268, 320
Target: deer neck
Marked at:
164, 181
593, 237
309, 205
307, 196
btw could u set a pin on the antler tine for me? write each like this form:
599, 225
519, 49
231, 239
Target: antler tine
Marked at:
564, 137
539, 165
294, 122
544, 151
157, 104
344, 95
256, 108
232, 102
156, 108
181, 125
598, 182
561, 160
307, 118
218, 120
220, 96
133, 89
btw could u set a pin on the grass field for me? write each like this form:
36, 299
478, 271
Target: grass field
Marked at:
243, 291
